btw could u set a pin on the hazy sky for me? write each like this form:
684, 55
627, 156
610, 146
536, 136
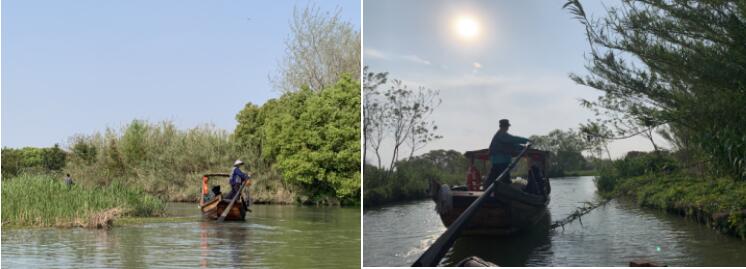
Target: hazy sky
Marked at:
516, 67
73, 67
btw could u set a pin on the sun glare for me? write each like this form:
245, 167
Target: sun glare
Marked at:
466, 27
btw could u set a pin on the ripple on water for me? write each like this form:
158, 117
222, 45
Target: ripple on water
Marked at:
262, 241
611, 235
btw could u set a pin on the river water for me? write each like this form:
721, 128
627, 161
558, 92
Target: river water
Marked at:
273, 236
612, 235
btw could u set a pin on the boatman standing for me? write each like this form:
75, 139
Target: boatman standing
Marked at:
237, 178
501, 149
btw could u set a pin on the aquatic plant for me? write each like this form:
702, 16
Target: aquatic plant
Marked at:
44, 200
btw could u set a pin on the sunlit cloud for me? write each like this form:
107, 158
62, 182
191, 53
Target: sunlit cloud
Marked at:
371, 53
415, 59
476, 66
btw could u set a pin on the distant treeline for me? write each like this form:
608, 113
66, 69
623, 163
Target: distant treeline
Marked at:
30, 159
411, 177
301, 147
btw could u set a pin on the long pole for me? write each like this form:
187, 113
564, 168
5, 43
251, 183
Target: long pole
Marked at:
230, 205
437, 250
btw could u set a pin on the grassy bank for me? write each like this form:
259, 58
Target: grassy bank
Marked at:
43, 200
658, 182
720, 203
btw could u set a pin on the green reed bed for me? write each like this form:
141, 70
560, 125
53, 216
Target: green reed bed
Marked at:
44, 200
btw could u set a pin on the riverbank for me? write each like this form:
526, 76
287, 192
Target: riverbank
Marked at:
44, 201
719, 203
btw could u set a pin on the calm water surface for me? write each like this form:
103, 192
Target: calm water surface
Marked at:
271, 237
611, 235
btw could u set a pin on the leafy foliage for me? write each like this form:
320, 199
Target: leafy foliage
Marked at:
681, 63
718, 202
411, 178
565, 151
29, 159
635, 164
311, 138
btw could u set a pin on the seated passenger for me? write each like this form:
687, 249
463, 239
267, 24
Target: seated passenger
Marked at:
535, 183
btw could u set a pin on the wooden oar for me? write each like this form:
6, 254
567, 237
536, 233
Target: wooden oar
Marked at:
437, 250
230, 205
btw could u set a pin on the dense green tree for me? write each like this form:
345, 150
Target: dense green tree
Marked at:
31, 159
411, 177
677, 62
53, 158
311, 138
320, 147
565, 148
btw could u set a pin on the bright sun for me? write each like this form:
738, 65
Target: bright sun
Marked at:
466, 27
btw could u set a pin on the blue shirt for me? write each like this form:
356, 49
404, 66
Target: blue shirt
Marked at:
237, 176
501, 146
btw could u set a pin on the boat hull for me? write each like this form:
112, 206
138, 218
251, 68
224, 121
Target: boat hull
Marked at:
215, 207
508, 211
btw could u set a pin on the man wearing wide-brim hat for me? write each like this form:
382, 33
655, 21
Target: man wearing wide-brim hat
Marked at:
501, 148
237, 178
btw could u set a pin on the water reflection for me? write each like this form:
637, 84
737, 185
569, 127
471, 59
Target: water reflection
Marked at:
273, 236
204, 247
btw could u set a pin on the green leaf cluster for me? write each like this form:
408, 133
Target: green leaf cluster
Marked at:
312, 138
565, 151
681, 63
410, 179
30, 159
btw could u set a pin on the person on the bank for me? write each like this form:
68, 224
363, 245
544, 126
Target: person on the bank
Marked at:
237, 178
501, 148
69, 181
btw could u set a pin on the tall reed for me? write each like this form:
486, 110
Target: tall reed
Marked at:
159, 158
44, 200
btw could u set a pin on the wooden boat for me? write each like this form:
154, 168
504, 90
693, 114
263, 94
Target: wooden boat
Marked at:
212, 204
510, 209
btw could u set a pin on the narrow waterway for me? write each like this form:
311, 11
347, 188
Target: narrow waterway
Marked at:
612, 235
271, 237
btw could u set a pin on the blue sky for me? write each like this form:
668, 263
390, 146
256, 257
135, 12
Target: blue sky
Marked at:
78, 67
517, 66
